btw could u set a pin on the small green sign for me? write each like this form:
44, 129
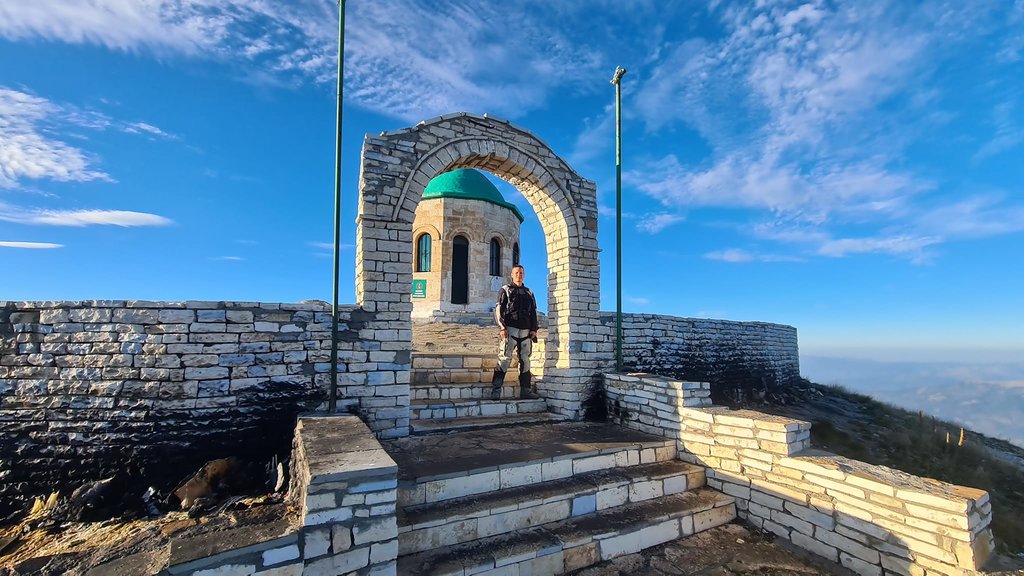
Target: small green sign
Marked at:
419, 288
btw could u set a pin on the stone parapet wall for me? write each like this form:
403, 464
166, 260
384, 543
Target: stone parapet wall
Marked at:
737, 358
153, 389
346, 486
871, 519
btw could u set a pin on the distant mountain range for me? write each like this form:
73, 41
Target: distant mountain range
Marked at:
984, 397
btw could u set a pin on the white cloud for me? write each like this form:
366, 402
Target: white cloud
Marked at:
740, 256
1009, 133
973, 217
228, 258
654, 223
734, 255
404, 58
123, 218
31, 245
895, 245
80, 218
330, 246
143, 127
808, 111
26, 152
638, 300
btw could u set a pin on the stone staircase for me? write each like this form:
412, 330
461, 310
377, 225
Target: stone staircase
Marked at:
451, 391
543, 499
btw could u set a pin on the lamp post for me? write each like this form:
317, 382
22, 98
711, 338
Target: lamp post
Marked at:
619, 73
332, 402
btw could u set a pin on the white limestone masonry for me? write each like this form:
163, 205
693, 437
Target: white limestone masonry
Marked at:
870, 519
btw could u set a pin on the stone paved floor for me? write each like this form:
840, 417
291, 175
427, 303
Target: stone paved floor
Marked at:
418, 456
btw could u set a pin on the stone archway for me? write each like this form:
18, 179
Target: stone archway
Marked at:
396, 167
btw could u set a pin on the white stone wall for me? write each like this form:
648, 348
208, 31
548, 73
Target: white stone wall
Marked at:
397, 166
81, 380
871, 519
736, 357
478, 222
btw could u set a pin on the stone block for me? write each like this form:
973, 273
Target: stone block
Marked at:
584, 504
581, 556
612, 497
339, 563
556, 470
316, 542
859, 566
645, 490
848, 546
815, 546
377, 530
713, 517
341, 538
279, 555
383, 552
620, 544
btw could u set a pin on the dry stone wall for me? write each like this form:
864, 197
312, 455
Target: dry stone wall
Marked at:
153, 389
871, 519
739, 359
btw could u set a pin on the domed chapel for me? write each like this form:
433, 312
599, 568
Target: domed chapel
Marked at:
465, 242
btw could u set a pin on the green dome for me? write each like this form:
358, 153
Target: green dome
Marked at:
467, 184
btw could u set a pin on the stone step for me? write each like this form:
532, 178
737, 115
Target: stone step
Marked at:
567, 545
481, 474
475, 390
441, 409
445, 425
427, 526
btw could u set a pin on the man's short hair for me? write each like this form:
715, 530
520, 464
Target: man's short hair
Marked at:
520, 266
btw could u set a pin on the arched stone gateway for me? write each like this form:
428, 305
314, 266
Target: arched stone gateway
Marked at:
396, 167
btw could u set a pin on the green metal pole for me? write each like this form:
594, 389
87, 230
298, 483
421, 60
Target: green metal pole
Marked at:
619, 73
333, 396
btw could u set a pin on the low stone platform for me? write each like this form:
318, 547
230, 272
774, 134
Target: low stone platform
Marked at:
436, 455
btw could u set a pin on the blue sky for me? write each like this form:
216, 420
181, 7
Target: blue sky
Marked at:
850, 168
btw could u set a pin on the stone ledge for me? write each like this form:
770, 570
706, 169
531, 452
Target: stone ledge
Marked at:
340, 448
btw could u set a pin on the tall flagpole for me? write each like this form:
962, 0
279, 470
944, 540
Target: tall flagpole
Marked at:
333, 396
619, 73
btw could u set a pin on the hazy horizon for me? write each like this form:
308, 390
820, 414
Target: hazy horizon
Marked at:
981, 390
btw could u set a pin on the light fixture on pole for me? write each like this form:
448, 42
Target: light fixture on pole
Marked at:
619, 73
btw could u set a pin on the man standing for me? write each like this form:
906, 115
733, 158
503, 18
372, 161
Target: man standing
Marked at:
516, 314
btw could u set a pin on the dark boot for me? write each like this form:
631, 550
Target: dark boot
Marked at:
526, 391
496, 381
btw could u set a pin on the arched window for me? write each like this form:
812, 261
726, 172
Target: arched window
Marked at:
495, 257
460, 270
515, 254
423, 253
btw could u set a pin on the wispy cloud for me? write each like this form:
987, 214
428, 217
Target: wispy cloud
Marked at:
30, 245
80, 218
654, 223
740, 256
799, 106
330, 246
638, 300
405, 58
227, 258
146, 128
895, 245
27, 152
1008, 133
